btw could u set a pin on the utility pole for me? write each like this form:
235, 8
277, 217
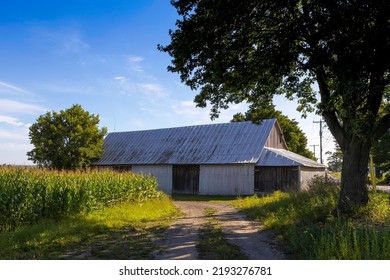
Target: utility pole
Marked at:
314, 149
320, 122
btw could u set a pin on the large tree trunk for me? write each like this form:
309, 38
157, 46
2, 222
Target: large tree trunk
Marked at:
354, 191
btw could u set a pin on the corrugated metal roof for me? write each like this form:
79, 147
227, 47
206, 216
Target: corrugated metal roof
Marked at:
281, 157
240, 142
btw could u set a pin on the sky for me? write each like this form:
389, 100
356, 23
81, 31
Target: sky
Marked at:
102, 55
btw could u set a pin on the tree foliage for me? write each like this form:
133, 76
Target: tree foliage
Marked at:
335, 159
294, 136
233, 51
381, 148
67, 140
381, 154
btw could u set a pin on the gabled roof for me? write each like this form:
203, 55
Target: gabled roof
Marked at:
240, 142
281, 157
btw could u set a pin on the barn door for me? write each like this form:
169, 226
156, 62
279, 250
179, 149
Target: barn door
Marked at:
185, 179
265, 179
270, 179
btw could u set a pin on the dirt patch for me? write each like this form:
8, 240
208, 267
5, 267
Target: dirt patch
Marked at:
180, 239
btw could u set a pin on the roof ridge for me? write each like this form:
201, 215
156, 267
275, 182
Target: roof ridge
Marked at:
193, 126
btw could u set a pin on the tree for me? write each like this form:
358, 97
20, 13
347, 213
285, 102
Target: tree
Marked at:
335, 159
234, 51
295, 138
67, 140
381, 154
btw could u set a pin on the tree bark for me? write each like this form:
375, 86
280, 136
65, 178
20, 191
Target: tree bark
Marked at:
354, 191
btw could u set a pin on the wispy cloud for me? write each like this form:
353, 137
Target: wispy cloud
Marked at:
120, 78
10, 87
67, 87
135, 63
12, 152
14, 135
73, 42
65, 39
154, 89
188, 110
18, 147
11, 106
11, 121
135, 59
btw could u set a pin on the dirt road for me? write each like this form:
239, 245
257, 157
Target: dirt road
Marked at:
181, 238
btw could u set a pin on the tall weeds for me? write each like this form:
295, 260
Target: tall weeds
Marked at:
29, 195
310, 227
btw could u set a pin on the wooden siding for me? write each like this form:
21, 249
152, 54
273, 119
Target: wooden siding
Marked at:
163, 174
232, 179
270, 179
185, 179
276, 138
308, 174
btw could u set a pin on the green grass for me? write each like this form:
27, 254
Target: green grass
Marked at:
212, 242
123, 231
309, 227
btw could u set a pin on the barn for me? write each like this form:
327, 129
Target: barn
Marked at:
238, 158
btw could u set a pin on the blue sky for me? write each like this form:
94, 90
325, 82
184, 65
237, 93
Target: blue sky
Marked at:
102, 55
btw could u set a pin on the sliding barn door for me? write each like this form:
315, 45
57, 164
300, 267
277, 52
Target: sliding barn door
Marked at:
185, 179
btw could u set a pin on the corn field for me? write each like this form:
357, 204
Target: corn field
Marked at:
29, 195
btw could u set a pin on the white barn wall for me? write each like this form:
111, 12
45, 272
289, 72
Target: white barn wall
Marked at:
232, 179
308, 173
163, 174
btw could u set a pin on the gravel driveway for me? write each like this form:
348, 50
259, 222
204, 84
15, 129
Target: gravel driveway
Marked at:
181, 238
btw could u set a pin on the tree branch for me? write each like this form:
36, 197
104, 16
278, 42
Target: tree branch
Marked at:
328, 112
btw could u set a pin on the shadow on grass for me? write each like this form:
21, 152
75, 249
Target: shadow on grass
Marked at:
81, 238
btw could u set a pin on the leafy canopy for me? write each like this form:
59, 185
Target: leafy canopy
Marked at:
68, 140
233, 51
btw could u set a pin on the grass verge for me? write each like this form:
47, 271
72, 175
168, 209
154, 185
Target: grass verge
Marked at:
212, 243
309, 227
123, 231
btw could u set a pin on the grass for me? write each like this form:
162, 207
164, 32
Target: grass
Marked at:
309, 227
212, 242
123, 231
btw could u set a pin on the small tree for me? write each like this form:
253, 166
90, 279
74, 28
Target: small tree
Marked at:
67, 140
